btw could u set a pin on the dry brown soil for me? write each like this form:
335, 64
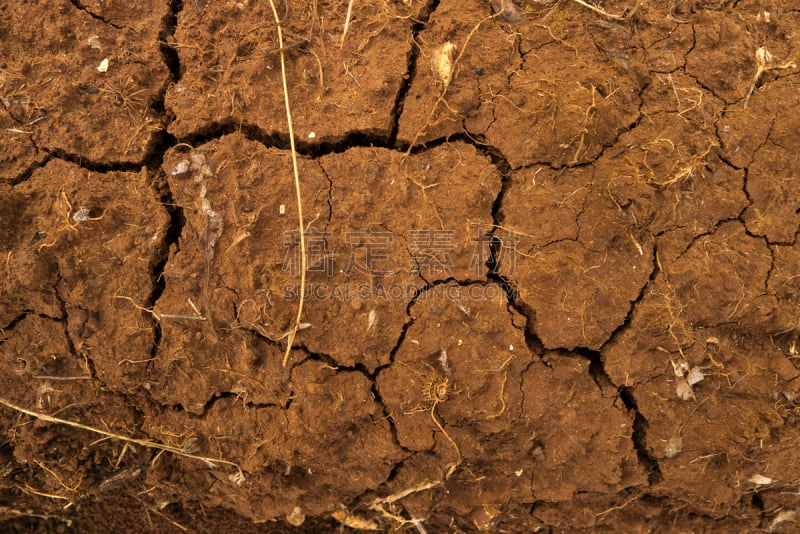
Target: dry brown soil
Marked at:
558, 294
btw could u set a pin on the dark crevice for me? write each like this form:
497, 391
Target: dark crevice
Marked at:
411, 70
327, 359
27, 173
166, 35
629, 128
321, 147
361, 369
14, 322
757, 501
745, 190
329, 200
209, 404
160, 141
711, 231
392, 428
159, 144
401, 338
94, 15
639, 298
169, 242
94, 166
727, 162
394, 472
280, 140
64, 320
597, 371
493, 264
639, 437
410, 318
465, 137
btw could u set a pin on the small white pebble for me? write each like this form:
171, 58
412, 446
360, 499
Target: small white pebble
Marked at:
518, 472
511, 347
282, 209
103, 67
312, 135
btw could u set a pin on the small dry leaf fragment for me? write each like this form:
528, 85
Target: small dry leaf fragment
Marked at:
354, 521
764, 62
94, 42
684, 390
695, 376
485, 518
442, 62
783, 517
80, 215
237, 478
297, 517
760, 480
508, 11
674, 447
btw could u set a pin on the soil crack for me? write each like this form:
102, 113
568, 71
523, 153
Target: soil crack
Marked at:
64, 320
421, 23
79, 6
14, 322
27, 173
639, 436
167, 33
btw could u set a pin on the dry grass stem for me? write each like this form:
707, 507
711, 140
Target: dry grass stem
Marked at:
763, 64
142, 442
605, 13
347, 22
301, 225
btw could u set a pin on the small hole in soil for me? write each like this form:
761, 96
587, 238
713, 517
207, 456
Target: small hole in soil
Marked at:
757, 501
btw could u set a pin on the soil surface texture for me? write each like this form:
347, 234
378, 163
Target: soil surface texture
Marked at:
551, 266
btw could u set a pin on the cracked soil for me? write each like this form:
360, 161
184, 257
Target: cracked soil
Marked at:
555, 291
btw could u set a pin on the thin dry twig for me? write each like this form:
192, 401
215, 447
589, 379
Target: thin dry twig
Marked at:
142, 442
347, 22
602, 11
301, 224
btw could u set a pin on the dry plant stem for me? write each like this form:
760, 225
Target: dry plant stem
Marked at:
454, 466
347, 22
598, 10
405, 493
141, 442
300, 223
763, 60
